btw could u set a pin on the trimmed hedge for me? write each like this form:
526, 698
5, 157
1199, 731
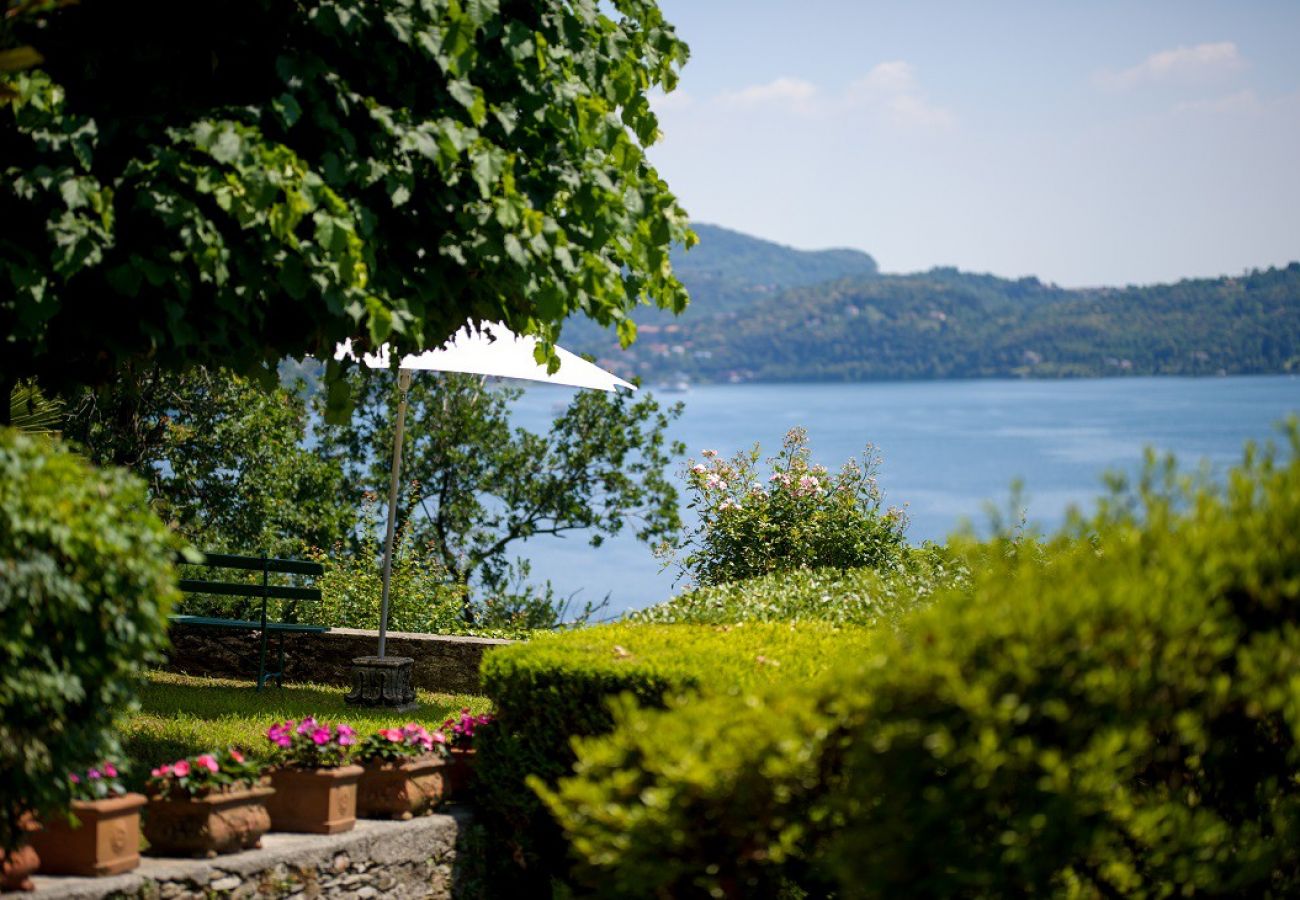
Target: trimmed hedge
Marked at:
1114, 713
560, 686
865, 597
86, 579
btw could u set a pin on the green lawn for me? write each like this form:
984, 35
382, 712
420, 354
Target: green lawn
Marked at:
182, 715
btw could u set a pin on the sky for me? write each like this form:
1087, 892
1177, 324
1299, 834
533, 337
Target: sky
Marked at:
1086, 143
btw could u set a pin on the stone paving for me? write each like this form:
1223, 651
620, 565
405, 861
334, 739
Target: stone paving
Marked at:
402, 860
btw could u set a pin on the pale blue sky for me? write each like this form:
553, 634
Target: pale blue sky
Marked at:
1085, 142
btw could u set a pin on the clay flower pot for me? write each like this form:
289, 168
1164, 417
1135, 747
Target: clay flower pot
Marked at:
459, 772
318, 801
106, 840
17, 866
391, 790
217, 822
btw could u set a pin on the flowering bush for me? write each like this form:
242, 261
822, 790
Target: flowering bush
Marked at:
310, 744
460, 731
398, 744
798, 517
225, 770
97, 783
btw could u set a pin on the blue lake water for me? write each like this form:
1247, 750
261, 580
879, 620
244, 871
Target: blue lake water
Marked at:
949, 447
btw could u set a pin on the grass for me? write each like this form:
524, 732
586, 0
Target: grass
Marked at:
181, 715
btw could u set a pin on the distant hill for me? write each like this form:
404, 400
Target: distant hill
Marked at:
785, 325
728, 270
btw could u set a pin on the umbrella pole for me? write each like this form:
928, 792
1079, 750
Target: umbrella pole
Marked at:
403, 384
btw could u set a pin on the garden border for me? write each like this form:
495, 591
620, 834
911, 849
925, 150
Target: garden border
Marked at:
443, 663
415, 858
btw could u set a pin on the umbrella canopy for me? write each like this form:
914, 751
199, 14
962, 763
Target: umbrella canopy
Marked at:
495, 350
491, 349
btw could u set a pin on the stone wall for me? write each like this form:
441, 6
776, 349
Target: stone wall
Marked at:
401, 860
443, 663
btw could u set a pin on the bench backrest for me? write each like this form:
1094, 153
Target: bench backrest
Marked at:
267, 566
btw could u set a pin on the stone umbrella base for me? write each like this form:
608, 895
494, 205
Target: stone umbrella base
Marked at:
384, 682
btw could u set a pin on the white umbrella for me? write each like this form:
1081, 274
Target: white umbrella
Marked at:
491, 350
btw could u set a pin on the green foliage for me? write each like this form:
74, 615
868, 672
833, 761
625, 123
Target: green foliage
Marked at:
226, 460
799, 517
949, 324
709, 798
294, 174
421, 597
1111, 712
33, 412
477, 486
865, 597
559, 686
86, 580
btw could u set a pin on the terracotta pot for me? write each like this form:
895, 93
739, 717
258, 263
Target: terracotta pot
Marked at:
399, 790
17, 866
106, 840
224, 822
318, 801
459, 773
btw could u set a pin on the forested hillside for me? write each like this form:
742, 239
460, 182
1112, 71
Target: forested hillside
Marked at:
950, 324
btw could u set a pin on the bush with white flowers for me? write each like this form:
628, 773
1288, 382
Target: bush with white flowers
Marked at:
798, 516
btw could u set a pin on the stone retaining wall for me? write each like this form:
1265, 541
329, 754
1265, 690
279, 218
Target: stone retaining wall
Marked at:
444, 663
402, 860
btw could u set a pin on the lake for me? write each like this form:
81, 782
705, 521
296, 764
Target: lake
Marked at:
949, 448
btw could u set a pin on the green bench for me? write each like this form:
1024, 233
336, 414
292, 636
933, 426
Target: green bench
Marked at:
266, 591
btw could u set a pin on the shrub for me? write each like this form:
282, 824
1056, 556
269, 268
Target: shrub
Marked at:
422, 598
559, 686
798, 517
866, 597
1112, 712
86, 580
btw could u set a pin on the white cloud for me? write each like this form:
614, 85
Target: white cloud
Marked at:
787, 92
892, 89
1200, 62
890, 93
678, 99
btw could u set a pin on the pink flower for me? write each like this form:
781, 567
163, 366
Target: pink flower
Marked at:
181, 769
93, 775
74, 778
698, 469
110, 770
236, 755
709, 454
392, 735
347, 736
207, 761
306, 726
320, 736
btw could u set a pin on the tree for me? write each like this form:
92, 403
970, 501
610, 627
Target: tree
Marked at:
225, 460
232, 183
481, 486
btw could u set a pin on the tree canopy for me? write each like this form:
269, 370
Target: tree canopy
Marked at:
233, 183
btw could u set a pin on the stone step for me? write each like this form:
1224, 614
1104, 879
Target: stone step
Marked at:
402, 860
